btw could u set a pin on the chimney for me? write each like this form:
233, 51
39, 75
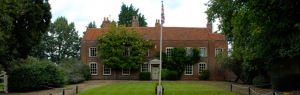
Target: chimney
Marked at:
135, 21
105, 23
157, 22
209, 25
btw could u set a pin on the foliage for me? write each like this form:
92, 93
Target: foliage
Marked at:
172, 75
34, 76
144, 76
76, 71
113, 43
286, 82
91, 25
204, 75
126, 14
179, 59
61, 42
171, 87
260, 80
264, 37
22, 25
164, 73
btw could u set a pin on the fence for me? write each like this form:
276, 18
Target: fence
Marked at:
63, 92
251, 90
4, 77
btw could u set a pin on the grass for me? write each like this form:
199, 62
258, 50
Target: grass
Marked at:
148, 88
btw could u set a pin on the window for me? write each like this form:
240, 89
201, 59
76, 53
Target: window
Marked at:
93, 52
145, 67
125, 71
218, 50
201, 66
189, 51
189, 70
106, 70
126, 52
93, 68
203, 51
147, 54
168, 51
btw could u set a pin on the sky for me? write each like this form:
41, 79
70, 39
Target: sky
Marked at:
178, 13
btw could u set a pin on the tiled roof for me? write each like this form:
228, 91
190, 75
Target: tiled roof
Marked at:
169, 33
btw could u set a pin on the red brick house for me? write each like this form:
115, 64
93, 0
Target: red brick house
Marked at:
209, 44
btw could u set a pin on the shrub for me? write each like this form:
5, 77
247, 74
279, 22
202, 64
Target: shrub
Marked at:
204, 75
34, 76
260, 80
286, 82
164, 74
172, 75
76, 71
144, 76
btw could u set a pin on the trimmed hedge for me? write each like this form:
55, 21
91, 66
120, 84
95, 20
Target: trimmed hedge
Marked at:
172, 75
286, 82
164, 74
34, 76
144, 76
204, 75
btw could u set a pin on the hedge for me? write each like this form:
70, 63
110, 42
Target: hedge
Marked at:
144, 76
204, 75
35, 76
75, 70
172, 75
286, 82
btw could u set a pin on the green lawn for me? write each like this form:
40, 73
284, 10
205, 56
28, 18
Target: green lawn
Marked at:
147, 88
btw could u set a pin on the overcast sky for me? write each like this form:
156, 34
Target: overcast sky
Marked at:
178, 13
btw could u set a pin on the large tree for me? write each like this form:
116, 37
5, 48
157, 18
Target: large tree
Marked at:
122, 47
23, 22
126, 14
267, 31
60, 42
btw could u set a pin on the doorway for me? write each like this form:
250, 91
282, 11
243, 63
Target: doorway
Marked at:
154, 72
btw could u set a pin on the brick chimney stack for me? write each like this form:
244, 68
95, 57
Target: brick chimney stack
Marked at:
105, 23
209, 26
157, 22
135, 21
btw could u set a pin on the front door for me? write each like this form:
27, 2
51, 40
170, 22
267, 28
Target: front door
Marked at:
154, 72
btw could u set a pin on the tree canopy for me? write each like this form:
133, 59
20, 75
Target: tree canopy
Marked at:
60, 42
126, 14
266, 33
122, 47
22, 26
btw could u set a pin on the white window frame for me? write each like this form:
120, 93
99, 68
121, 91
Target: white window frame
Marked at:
201, 66
125, 72
147, 54
93, 52
168, 52
93, 68
218, 51
189, 51
106, 69
189, 70
203, 51
145, 67
126, 52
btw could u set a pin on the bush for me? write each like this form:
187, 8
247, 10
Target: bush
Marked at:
144, 76
34, 76
260, 80
76, 71
172, 75
164, 74
286, 82
205, 75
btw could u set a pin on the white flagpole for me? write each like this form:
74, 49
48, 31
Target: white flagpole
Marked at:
160, 57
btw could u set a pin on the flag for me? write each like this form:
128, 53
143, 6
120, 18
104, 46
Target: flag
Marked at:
162, 15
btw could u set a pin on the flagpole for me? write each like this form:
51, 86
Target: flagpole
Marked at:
160, 53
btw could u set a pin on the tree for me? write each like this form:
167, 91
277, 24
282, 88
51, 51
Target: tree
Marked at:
91, 25
61, 42
23, 22
267, 31
122, 47
126, 14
